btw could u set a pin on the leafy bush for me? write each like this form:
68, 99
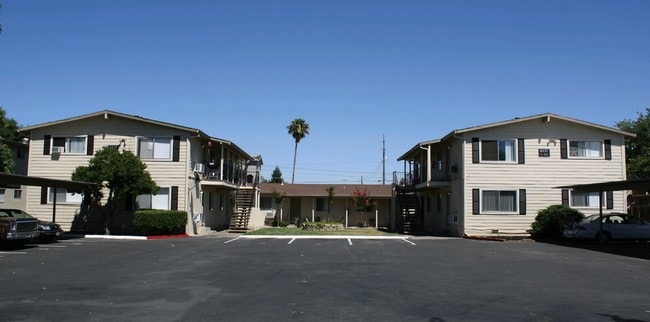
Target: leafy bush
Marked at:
160, 222
550, 222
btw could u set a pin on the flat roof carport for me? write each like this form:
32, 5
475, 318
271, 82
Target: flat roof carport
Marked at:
17, 179
600, 187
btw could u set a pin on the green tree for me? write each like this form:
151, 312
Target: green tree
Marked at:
637, 150
277, 199
298, 129
7, 163
8, 127
276, 176
123, 174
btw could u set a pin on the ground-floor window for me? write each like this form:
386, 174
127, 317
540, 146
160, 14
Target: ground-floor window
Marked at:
585, 199
63, 196
158, 201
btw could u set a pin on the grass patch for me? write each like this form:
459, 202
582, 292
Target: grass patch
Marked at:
278, 231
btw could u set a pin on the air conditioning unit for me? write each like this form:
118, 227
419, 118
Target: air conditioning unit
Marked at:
58, 149
199, 168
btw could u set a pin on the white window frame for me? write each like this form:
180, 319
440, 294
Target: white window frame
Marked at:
162, 197
67, 197
498, 142
67, 144
570, 152
153, 141
592, 199
498, 212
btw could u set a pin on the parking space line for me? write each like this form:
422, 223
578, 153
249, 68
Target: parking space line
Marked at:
51, 246
350, 241
18, 253
408, 241
232, 240
291, 241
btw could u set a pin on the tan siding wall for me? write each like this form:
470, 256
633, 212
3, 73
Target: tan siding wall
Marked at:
106, 132
539, 174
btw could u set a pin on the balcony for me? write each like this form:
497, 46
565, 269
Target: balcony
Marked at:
441, 173
210, 174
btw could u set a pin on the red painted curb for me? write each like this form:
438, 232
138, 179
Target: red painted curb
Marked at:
167, 236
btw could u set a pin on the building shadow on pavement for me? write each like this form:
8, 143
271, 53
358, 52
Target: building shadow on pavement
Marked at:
637, 249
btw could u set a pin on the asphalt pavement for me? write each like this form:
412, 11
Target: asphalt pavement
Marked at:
271, 279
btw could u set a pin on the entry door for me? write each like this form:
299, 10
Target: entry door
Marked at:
294, 208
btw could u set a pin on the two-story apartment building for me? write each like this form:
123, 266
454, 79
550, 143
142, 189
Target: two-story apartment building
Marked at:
196, 172
492, 179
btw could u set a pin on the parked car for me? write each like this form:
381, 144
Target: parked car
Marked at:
17, 226
614, 226
48, 231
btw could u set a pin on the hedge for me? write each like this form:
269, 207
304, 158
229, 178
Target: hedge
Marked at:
160, 222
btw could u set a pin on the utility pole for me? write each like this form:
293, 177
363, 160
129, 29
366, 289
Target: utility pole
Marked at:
383, 159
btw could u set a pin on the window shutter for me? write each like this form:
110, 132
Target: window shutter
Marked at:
563, 149
565, 197
177, 146
90, 145
608, 149
522, 201
521, 155
174, 197
610, 199
475, 201
43, 195
475, 147
46, 144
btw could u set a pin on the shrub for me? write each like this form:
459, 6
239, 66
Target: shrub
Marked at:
550, 222
160, 222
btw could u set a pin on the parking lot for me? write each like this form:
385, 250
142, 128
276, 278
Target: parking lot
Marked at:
243, 279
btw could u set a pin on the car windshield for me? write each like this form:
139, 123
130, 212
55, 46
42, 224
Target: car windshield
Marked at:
14, 213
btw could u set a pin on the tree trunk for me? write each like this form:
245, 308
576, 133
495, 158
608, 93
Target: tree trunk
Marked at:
293, 173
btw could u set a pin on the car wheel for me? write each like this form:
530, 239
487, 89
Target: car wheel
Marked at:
603, 237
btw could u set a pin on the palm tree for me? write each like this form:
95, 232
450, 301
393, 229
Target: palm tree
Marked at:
298, 130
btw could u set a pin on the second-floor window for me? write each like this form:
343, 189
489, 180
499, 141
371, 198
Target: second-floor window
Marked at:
72, 144
158, 148
499, 150
585, 149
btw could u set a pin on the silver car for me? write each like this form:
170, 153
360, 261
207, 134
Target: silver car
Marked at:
614, 226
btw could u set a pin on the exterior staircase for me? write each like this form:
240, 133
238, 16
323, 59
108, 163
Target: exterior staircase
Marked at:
409, 211
244, 201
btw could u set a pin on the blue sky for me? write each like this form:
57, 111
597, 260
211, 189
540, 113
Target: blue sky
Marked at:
356, 71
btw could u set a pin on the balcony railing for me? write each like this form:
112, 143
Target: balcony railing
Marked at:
210, 172
441, 172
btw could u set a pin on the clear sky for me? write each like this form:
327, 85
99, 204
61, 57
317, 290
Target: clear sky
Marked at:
356, 71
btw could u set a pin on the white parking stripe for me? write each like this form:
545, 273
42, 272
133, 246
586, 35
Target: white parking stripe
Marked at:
232, 240
18, 253
291, 241
408, 241
350, 241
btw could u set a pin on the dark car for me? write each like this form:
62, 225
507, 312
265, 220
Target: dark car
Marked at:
48, 231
